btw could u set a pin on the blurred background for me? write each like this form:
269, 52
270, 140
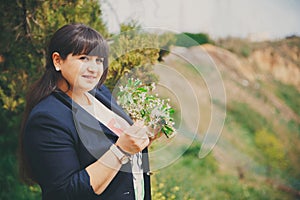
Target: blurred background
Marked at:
256, 47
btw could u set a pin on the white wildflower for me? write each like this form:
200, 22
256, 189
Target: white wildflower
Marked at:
140, 105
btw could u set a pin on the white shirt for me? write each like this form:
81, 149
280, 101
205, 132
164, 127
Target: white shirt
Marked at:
117, 124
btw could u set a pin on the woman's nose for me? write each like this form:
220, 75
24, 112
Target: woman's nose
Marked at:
92, 66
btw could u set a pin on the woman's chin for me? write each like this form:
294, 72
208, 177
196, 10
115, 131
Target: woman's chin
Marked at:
86, 87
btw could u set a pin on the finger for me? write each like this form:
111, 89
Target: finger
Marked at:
142, 133
132, 130
151, 132
145, 143
139, 123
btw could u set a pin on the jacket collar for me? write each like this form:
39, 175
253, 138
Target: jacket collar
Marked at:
105, 97
86, 119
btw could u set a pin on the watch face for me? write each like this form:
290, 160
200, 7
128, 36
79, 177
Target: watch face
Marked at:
124, 160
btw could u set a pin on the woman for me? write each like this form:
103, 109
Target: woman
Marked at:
76, 142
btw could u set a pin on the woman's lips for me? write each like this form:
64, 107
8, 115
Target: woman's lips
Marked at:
89, 77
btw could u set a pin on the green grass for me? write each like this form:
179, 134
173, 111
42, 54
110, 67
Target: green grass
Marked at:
294, 127
194, 178
249, 119
290, 95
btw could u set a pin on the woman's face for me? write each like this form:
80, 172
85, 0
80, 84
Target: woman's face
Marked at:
82, 72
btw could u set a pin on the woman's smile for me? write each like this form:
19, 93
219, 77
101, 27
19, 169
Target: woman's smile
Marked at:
90, 78
82, 72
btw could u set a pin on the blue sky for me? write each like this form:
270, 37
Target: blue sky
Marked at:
255, 19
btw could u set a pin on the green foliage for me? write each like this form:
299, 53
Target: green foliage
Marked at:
246, 117
192, 160
245, 51
11, 83
294, 127
130, 26
191, 39
290, 95
51, 15
166, 40
138, 101
162, 191
241, 47
26, 30
132, 54
192, 178
26, 27
11, 188
272, 150
171, 183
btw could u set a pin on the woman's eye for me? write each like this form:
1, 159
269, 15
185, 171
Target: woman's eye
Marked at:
84, 58
99, 60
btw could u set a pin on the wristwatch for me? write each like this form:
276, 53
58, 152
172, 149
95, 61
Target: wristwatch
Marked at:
119, 154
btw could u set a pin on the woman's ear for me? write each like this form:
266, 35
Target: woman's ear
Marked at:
56, 60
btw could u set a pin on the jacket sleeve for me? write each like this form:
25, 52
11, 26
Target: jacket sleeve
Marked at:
51, 152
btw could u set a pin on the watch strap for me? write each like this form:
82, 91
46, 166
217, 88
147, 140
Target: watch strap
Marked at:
124, 152
119, 154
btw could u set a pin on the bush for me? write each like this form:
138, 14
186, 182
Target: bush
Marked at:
272, 150
191, 39
26, 27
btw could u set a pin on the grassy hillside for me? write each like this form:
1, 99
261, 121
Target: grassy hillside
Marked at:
257, 155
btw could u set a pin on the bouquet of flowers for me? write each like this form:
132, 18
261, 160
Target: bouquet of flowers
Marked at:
140, 104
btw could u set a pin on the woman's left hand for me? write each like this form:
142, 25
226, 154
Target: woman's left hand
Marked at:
156, 134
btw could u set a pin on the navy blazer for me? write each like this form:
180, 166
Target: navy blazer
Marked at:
61, 139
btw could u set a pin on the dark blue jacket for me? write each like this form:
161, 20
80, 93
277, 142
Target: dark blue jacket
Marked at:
61, 139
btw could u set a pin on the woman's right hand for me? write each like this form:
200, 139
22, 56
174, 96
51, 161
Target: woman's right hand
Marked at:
134, 139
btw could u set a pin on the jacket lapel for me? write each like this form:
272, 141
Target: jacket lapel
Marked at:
95, 136
105, 97
85, 119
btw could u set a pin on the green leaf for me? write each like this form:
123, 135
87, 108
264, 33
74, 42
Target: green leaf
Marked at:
142, 89
171, 111
137, 82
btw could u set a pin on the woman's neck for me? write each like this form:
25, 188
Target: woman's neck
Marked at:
79, 96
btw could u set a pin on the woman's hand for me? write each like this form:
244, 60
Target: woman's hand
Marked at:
156, 134
134, 139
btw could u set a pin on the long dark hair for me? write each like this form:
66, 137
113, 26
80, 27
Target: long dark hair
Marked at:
72, 39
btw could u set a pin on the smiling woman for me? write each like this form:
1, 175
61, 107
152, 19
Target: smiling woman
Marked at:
76, 142
81, 73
